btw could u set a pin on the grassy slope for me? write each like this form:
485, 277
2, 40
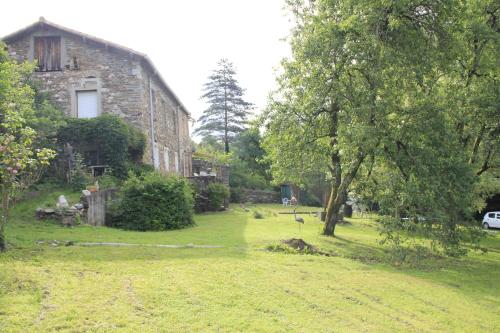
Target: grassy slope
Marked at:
239, 287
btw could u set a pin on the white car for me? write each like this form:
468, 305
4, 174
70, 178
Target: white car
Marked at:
491, 220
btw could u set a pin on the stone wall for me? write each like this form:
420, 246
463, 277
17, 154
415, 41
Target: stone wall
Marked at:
96, 206
206, 168
201, 199
260, 196
119, 78
126, 86
205, 172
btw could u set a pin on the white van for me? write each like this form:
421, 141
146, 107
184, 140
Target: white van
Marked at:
491, 220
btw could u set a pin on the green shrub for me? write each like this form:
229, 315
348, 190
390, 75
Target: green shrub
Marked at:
79, 175
139, 169
243, 176
107, 138
217, 193
136, 145
236, 195
107, 181
309, 199
258, 215
153, 202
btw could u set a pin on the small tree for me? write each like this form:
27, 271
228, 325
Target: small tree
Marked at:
18, 156
227, 112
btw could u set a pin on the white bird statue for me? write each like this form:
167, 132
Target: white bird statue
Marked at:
298, 219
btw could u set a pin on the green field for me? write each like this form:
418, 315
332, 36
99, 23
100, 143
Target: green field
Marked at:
240, 287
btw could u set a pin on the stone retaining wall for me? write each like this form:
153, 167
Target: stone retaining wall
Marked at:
260, 196
201, 200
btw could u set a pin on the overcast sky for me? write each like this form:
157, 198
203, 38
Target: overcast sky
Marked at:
184, 39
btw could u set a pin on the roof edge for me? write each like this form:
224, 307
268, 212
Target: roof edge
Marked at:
43, 22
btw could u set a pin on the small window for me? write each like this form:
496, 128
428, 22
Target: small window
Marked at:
492, 215
87, 104
48, 53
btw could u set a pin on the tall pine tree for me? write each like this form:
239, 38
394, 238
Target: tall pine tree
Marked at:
227, 113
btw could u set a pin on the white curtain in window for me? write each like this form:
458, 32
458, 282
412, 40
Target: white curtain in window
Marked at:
87, 103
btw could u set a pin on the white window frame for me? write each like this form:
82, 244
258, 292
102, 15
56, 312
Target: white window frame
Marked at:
79, 97
86, 84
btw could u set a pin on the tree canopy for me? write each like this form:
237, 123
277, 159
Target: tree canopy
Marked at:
227, 113
19, 156
367, 96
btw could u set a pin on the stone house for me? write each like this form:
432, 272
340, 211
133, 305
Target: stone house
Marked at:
87, 76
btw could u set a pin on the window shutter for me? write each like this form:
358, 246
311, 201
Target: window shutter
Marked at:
87, 103
47, 52
55, 48
40, 53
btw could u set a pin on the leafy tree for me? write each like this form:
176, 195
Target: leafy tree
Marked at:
18, 155
227, 113
248, 149
46, 119
248, 167
210, 143
472, 92
361, 93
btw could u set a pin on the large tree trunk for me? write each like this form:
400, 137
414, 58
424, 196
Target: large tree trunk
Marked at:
338, 193
332, 214
332, 210
3, 221
340, 183
226, 140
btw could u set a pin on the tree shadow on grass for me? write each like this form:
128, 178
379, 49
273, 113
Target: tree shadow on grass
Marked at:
344, 247
473, 275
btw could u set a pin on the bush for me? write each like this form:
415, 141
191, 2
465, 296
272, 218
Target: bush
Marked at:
242, 176
236, 195
258, 215
108, 138
139, 169
217, 193
79, 176
107, 181
309, 199
153, 202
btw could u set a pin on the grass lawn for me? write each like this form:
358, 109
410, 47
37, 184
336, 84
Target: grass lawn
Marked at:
240, 287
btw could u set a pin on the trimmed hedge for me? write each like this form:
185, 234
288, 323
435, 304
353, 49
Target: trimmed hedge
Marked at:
153, 202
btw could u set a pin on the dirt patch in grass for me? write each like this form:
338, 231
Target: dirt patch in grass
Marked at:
297, 246
300, 244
